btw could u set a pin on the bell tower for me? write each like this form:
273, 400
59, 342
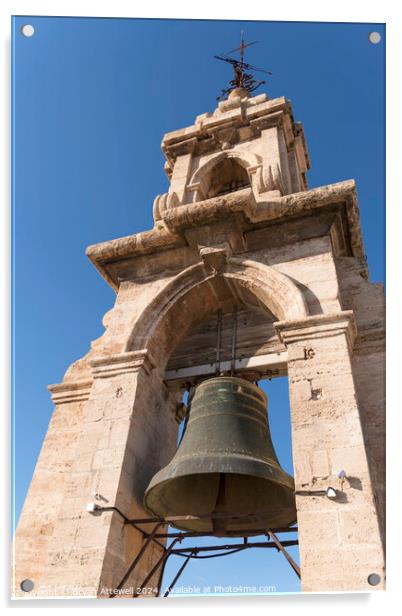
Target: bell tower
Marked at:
237, 232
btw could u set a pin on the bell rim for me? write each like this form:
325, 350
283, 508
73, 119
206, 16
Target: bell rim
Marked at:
290, 510
288, 484
256, 468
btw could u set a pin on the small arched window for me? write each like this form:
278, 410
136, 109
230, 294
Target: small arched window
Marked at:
227, 176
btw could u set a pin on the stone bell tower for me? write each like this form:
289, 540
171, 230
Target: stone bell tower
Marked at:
238, 228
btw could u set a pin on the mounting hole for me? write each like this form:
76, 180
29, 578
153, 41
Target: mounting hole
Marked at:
27, 585
374, 37
28, 30
374, 579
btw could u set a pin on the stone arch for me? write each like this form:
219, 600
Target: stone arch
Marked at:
227, 176
199, 182
189, 297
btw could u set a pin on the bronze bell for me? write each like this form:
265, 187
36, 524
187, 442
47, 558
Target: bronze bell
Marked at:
225, 464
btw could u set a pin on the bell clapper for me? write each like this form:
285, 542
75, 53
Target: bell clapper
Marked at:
219, 525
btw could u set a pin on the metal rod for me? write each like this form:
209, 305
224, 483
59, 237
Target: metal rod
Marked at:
286, 554
234, 338
154, 569
222, 553
137, 558
310, 493
240, 533
161, 576
178, 574
155, 537
218, 343
231, 546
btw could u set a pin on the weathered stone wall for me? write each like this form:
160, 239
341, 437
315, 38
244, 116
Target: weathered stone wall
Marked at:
368, 304
44, 500
126, 432
339, 540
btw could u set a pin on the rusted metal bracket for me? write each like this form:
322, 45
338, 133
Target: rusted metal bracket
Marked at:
286, 554
137, 559
189, 553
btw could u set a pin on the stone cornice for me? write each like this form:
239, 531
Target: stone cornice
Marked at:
318, 326
296, 203
159, 238
227, 111
180, 218
122, 363
73, 391
102, 367
257, 112
171, 233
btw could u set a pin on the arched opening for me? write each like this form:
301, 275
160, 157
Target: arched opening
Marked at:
227, 176
169, 327
252, 571
225, 172
195, 293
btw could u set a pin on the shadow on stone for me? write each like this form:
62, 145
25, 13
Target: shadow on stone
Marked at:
355, 483
341, 497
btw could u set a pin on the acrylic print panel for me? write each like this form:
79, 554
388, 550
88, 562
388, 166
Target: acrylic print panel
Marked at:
249, 210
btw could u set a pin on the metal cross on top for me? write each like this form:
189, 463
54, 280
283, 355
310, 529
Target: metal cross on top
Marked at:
241, 78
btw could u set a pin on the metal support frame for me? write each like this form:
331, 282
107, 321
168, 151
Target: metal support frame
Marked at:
178, 574
131, 568
195, 551
286, 554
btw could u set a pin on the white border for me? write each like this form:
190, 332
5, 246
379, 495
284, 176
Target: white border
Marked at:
291, 10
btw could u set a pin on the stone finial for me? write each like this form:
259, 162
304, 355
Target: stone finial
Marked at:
238, 93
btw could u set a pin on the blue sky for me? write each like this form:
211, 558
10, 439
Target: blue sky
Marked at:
92, 100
